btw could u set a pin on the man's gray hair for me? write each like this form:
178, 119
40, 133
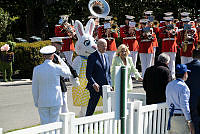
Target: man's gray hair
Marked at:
163, 58
101, 41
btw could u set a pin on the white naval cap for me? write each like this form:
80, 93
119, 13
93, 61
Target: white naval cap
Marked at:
92, 17
108, 18
185, 14
48, 50
65, 17
57, 39
148, 12
186, 19
129, 17
168, 13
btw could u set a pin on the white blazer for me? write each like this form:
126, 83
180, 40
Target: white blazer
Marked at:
46, 88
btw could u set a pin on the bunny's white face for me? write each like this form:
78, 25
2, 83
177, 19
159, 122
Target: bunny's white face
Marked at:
86, 43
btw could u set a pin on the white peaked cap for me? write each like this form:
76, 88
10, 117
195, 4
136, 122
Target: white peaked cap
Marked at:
48, 50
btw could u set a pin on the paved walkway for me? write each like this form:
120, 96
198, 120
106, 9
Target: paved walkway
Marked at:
16, 104
15, 82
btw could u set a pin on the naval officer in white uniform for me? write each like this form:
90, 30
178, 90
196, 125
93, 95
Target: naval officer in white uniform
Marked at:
46, 87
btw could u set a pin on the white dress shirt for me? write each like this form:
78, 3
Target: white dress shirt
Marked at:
178, 93
102, 55
46, 88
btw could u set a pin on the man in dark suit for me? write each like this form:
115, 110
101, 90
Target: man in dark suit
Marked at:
156, 79
194, 85
97, 74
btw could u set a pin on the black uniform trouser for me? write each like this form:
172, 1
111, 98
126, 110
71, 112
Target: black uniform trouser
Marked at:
93, 101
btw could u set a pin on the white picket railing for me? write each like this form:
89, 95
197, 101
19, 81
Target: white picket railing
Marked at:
51, 128
109, 98
141, 119
96, 124
149, 119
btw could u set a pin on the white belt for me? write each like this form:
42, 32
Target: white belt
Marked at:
145, 40
111, 38
129, 38
168, 39
66, 37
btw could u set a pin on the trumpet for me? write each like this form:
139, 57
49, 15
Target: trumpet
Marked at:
132, 32
188, 39
175, 21
114, 27
155, 23
137, 25
147, 33
67, 28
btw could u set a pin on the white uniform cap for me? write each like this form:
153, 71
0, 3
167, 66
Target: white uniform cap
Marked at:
108, 18
92, 17
129, 17
64, 17
168, 13
186, 19
148, 12
48, 50
57, 39
185, 14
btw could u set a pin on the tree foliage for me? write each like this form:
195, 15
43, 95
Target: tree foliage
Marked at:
4, 21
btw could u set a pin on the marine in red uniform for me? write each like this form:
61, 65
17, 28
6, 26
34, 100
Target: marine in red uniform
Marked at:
187, 39
66, 31
179, 24
109, 35
145, 37
168, 34
198, 32
128, 34
150, 17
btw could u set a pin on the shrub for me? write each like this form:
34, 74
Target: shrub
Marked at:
27, 56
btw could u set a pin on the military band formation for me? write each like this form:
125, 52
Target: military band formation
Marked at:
91, 64
143, 38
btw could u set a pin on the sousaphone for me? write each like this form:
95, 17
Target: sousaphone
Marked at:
99, 8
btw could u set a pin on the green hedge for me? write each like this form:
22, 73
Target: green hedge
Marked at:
27, 56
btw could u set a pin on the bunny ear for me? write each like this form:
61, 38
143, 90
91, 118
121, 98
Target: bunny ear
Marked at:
90, 27
79, 29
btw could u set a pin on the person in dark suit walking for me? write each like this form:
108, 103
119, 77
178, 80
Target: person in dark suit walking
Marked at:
194, 85
97, 74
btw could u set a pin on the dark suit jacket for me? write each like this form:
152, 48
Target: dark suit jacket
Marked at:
95, 71
193, 83
193, 80
155, 81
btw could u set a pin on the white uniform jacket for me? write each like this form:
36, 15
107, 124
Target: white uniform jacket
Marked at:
46, 88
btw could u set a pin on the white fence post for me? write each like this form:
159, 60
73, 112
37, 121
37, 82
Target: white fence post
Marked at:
138, 117
67, 119
106, 99
1, 130
130, 106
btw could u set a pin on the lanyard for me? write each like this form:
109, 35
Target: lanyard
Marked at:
171, 112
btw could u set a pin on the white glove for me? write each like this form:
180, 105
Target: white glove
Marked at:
75, 81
